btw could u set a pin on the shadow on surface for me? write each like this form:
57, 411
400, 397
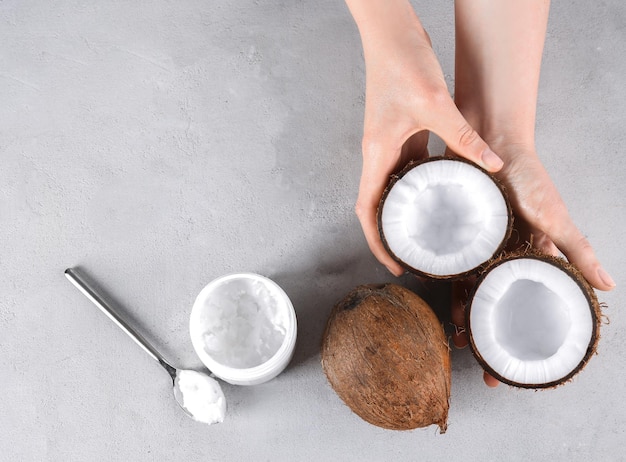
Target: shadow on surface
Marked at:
316, 289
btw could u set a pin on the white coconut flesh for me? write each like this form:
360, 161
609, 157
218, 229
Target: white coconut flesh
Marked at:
530, 322
444, 217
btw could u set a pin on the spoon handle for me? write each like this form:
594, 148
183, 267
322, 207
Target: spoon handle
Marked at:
82, 285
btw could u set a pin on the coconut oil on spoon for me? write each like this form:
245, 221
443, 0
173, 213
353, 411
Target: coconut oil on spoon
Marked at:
198, 394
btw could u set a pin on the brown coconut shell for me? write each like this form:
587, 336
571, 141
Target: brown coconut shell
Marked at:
574, 273
462, 275
386, 355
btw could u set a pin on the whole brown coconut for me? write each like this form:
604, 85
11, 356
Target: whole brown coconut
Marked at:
386, 355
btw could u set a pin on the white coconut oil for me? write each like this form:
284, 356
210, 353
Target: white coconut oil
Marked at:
244, 323
202, 396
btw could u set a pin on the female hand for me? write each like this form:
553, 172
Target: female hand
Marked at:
406, 97
499, 47
541, 219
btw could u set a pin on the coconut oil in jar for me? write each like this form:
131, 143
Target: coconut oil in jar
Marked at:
243, 328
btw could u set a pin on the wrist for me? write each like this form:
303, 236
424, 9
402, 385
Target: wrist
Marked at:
502, 130
387, 24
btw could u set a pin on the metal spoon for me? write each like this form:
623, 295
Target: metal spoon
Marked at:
198, 414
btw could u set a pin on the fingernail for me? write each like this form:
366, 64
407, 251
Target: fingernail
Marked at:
608, 280
491, 160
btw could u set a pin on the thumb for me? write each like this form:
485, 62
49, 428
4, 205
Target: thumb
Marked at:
463, 140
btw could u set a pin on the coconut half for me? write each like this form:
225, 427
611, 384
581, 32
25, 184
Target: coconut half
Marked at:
533, 320
444, 217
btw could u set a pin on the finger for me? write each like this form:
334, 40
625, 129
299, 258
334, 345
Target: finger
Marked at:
414, 148
520, 236
370, 230
542, 242
579, 252
462, 139
490, 381
525, 235
374, 180
460, 293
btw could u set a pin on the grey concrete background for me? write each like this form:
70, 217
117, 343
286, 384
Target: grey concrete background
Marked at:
161, 144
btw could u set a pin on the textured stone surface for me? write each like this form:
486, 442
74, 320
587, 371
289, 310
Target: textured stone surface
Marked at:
161, 144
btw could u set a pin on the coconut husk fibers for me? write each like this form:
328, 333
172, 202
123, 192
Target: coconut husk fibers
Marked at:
574, 273
386, 355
